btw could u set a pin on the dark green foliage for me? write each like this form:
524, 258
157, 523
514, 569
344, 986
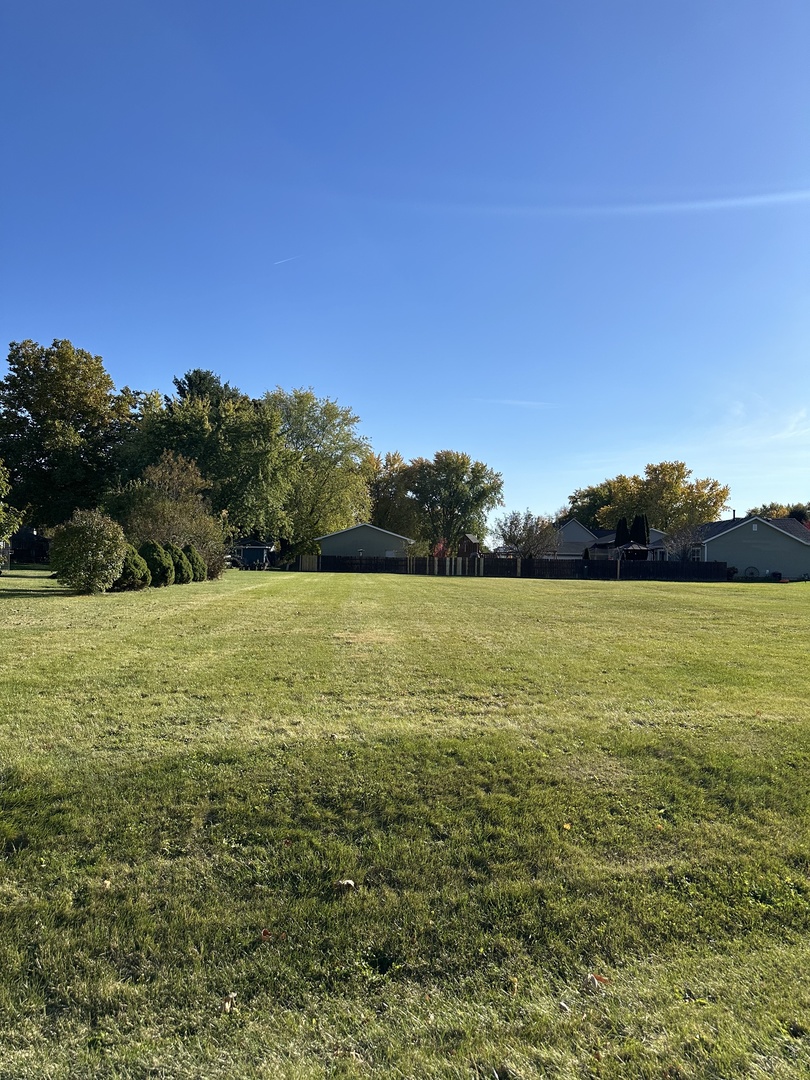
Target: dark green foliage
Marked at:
10, 519
135, 573
204, 386
183, 574
640, 530
160, 563
453, 494
167, 505
87, 552
197, 562
61, 425
622, 533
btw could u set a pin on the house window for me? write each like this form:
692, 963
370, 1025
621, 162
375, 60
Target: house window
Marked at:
754, 527
694, 553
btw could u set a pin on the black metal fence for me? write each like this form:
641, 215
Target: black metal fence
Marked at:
492, 566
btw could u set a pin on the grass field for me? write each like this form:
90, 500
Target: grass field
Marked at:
575, 815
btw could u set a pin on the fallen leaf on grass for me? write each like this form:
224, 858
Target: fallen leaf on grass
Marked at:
268, 935
594, 984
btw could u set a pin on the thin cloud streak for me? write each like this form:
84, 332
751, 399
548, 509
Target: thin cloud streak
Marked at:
519, 404
759, 425
639, 209
292, 258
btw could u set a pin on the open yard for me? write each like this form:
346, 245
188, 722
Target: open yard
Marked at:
575, 816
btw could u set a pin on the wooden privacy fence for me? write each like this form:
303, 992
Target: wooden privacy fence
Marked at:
492, 566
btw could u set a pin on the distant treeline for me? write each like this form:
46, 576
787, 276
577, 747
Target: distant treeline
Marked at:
212, 462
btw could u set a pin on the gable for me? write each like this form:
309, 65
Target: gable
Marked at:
374, 529
787, 527
574, 532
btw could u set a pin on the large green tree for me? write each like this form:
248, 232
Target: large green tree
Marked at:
10, 519
665, 494
454, 494
237, 444
168, 506
326, 461
61, 423
392, 507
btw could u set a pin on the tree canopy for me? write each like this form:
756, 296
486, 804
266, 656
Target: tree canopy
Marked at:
284, 468
800, 511
10, 519
454, 494
61, 422
168, 506
664, 494
325, 459
392, 507
531, 536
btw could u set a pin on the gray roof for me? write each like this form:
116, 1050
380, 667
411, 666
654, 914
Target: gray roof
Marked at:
787, 525
365, 525
793, 527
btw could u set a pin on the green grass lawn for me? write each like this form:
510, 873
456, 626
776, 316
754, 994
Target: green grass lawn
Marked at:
530, 783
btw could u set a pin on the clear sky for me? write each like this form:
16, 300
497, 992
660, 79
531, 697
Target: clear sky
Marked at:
568, 237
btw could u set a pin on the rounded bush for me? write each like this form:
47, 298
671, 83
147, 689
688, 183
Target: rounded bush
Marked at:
135, 573
87, 553
183, 573
198, 567
160, 564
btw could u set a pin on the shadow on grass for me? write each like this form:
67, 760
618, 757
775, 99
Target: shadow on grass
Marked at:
327, 864
34, 590
22, 594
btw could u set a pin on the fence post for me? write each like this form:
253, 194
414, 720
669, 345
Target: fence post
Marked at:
518, 561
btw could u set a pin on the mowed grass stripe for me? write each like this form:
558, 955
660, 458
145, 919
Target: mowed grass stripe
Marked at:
526, 782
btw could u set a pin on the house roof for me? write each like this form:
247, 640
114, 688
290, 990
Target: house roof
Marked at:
789, 526
365, 525
575, 521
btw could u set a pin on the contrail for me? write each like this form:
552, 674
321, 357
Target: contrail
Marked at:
688, 206
519, 403
292, 258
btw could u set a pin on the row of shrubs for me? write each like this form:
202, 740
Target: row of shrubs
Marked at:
160, 564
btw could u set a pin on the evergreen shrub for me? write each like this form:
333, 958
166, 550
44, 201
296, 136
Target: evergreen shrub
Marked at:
198, 567
135, 573
183, 573
160, 563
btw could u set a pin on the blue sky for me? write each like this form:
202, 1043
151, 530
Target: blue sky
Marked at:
569, 238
